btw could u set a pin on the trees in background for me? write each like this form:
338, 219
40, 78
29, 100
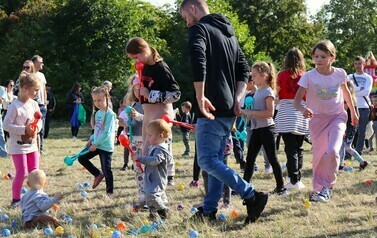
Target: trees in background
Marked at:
84, 40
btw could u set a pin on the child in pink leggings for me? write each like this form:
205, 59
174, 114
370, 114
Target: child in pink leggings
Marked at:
326, 89
23, 133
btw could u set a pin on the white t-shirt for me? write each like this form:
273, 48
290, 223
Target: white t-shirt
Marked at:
41, 93
363, 88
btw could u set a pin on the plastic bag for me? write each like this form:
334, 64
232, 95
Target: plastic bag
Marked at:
81, 117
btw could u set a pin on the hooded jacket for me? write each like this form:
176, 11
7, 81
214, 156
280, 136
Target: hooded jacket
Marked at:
217, 60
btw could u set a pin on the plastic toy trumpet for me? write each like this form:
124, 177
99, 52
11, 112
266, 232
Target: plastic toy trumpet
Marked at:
69, 160
125, 142
178, 123
139, 66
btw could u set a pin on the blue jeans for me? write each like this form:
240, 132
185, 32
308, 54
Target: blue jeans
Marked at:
43, 110
3, 149
363, 121
211, 137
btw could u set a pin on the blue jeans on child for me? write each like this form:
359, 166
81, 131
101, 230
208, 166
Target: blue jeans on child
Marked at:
211, 137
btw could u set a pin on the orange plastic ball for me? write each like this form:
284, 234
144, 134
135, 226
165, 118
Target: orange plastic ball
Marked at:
121, 226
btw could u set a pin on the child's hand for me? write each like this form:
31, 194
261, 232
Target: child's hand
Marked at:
29, 132
89, 143
307, 113
354, 119
58, 196
93, 147
144, 92
247, 113
134, 114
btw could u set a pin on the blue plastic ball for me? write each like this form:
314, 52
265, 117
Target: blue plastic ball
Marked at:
193, 234
23, 190
349, 169
48, 231
222, 217
5, 232
4, 217
145, 229
194, 210
133, 232
116, 234
14, 224
86, 184
93, 227
154, 226
79, 186
83, 193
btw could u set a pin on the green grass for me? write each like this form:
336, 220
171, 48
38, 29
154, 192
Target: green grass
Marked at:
352, 211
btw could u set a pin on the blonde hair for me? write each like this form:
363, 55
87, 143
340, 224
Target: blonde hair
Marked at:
269, 69
160, 126
136, 45
36, 179
326, 46
31, 63
100, 90
28, 80
294, 62
131, 97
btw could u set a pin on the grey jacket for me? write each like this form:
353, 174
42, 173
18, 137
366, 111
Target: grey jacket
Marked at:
156, 166
35, 203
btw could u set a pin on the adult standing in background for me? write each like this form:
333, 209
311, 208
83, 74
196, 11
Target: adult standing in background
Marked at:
114, 102
27, 67
3, 150
51, 103
363, 86
42, 94
74, 97
220, 74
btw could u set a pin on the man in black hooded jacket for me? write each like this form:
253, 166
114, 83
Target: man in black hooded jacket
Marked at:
220, 73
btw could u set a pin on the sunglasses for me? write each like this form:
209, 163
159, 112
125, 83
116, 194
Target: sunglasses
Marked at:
26, 67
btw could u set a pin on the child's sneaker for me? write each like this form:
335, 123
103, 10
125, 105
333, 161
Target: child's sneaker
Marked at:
15, 203
363, 164
299, 185
185, 154
194, 184
171, 180
163, 213
313, 197
324, 195
97, 180
124, 168
279, 191
255, 206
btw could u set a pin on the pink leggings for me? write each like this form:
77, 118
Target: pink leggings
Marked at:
24, 164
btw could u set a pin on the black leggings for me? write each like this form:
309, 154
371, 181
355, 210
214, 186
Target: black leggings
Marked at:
263, 136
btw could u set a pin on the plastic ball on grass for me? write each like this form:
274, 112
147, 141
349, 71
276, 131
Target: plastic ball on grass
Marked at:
83, 194
23, 190
180, 207
59, 230
222, 217
4, 217
193, 210
79, 186
235, 214
86, 185
348, 169
6, 177
55, 207
5, 232
307, 204
347, 164
121, 226
368, 182
180, 187
145, 229
14, 224
116, 234
133, 232
93, 227
193, 234
48, 231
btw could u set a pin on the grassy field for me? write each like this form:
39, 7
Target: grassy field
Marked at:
352, 211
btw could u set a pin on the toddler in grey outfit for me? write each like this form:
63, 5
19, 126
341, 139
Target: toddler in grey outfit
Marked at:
156, 166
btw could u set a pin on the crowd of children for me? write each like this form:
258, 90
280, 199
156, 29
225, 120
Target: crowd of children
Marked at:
324, 96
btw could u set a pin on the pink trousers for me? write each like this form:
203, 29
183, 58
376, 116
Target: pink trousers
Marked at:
24, 164
327, 137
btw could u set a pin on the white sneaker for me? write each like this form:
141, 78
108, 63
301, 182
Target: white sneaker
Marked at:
74, 138
299, 185
324, 195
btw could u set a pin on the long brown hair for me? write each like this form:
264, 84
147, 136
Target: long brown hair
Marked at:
269, 69
136, 45
294, 62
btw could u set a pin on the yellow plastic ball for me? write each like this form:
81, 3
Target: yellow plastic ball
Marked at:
59, 230
181, 187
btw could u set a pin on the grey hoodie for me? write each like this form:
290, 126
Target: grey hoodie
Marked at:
35, 203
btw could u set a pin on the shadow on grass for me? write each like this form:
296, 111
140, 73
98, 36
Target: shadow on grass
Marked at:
357, 233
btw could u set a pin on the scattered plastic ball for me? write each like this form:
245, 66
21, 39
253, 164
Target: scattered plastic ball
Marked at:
59, 230
121, 226
177, 163
109, 232
83, 193
14, 224
135, 207
235, 214
348, 169
23, 190
5, 232
368, 182
6, 177
93, 227
145, 222
307, 204
86, 184
347, 164
48, 231
79, 186
193, 234
69, 220
181, 187
4, 217
55, 207
179, 207
10, 175
222, 217
145, 229
194, 210
116, 234
83, 168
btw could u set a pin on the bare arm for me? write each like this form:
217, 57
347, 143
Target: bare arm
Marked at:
269, 112
307, 112
240, 91
347, 98
204, 104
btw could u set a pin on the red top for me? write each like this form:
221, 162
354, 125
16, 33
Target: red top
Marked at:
288, 85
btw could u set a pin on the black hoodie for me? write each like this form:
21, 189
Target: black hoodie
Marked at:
217, 60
